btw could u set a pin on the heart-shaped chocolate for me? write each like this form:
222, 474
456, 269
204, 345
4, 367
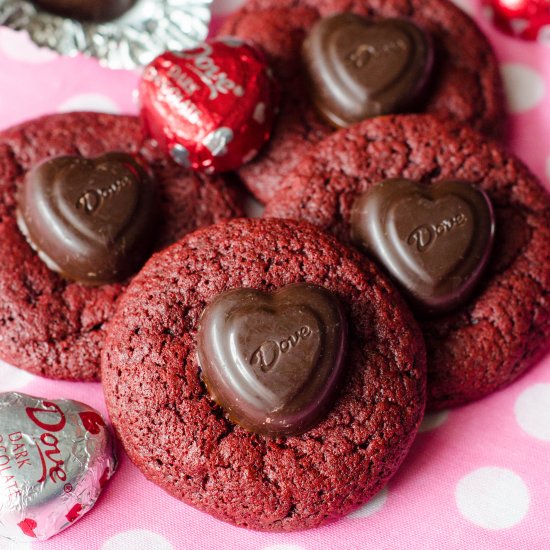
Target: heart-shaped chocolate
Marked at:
272, 361
359, 68
89, 219
52, 465
435, 240
87, 10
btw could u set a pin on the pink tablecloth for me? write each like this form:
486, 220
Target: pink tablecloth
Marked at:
476, 478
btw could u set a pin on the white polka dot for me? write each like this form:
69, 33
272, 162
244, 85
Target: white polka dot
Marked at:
374, 505
89, 102
138, 539
524, 87
19, 47
433, 420
9, 545
283, 547
491, 497
14, 379
533, 411
465, 5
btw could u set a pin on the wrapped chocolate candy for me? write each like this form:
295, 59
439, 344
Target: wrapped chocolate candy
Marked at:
122, 34
211, 108
55, 458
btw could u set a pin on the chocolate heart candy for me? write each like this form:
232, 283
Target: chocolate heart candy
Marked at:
360, 68
272, 361
90, 10
55, 458
89, 219
434, 240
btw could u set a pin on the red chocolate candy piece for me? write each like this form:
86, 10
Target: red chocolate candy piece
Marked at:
434, 241
211, 108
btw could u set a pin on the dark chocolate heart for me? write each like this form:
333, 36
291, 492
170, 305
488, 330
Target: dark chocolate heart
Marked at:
272, 361
86, 10
435, 240
359, 68
89, 219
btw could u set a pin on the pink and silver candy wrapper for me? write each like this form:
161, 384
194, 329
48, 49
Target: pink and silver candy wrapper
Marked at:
55, 458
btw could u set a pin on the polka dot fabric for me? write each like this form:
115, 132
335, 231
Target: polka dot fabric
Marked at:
476, 478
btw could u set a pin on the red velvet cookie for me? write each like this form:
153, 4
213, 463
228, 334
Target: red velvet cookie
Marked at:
505, 327
51, 326
465, 85
181, 440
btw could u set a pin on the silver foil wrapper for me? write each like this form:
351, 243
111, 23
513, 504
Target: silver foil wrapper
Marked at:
146, 30
55, 458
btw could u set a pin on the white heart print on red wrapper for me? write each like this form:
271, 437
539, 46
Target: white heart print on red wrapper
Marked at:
210, 108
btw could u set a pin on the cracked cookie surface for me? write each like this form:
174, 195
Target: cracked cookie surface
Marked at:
466, 84
182, 441
506, 326
51, 326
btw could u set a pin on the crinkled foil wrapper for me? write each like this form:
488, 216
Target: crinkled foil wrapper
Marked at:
55, 458
148, 29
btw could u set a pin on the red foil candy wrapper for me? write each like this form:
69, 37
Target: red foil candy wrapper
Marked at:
526, 19
211, 108
55, 458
